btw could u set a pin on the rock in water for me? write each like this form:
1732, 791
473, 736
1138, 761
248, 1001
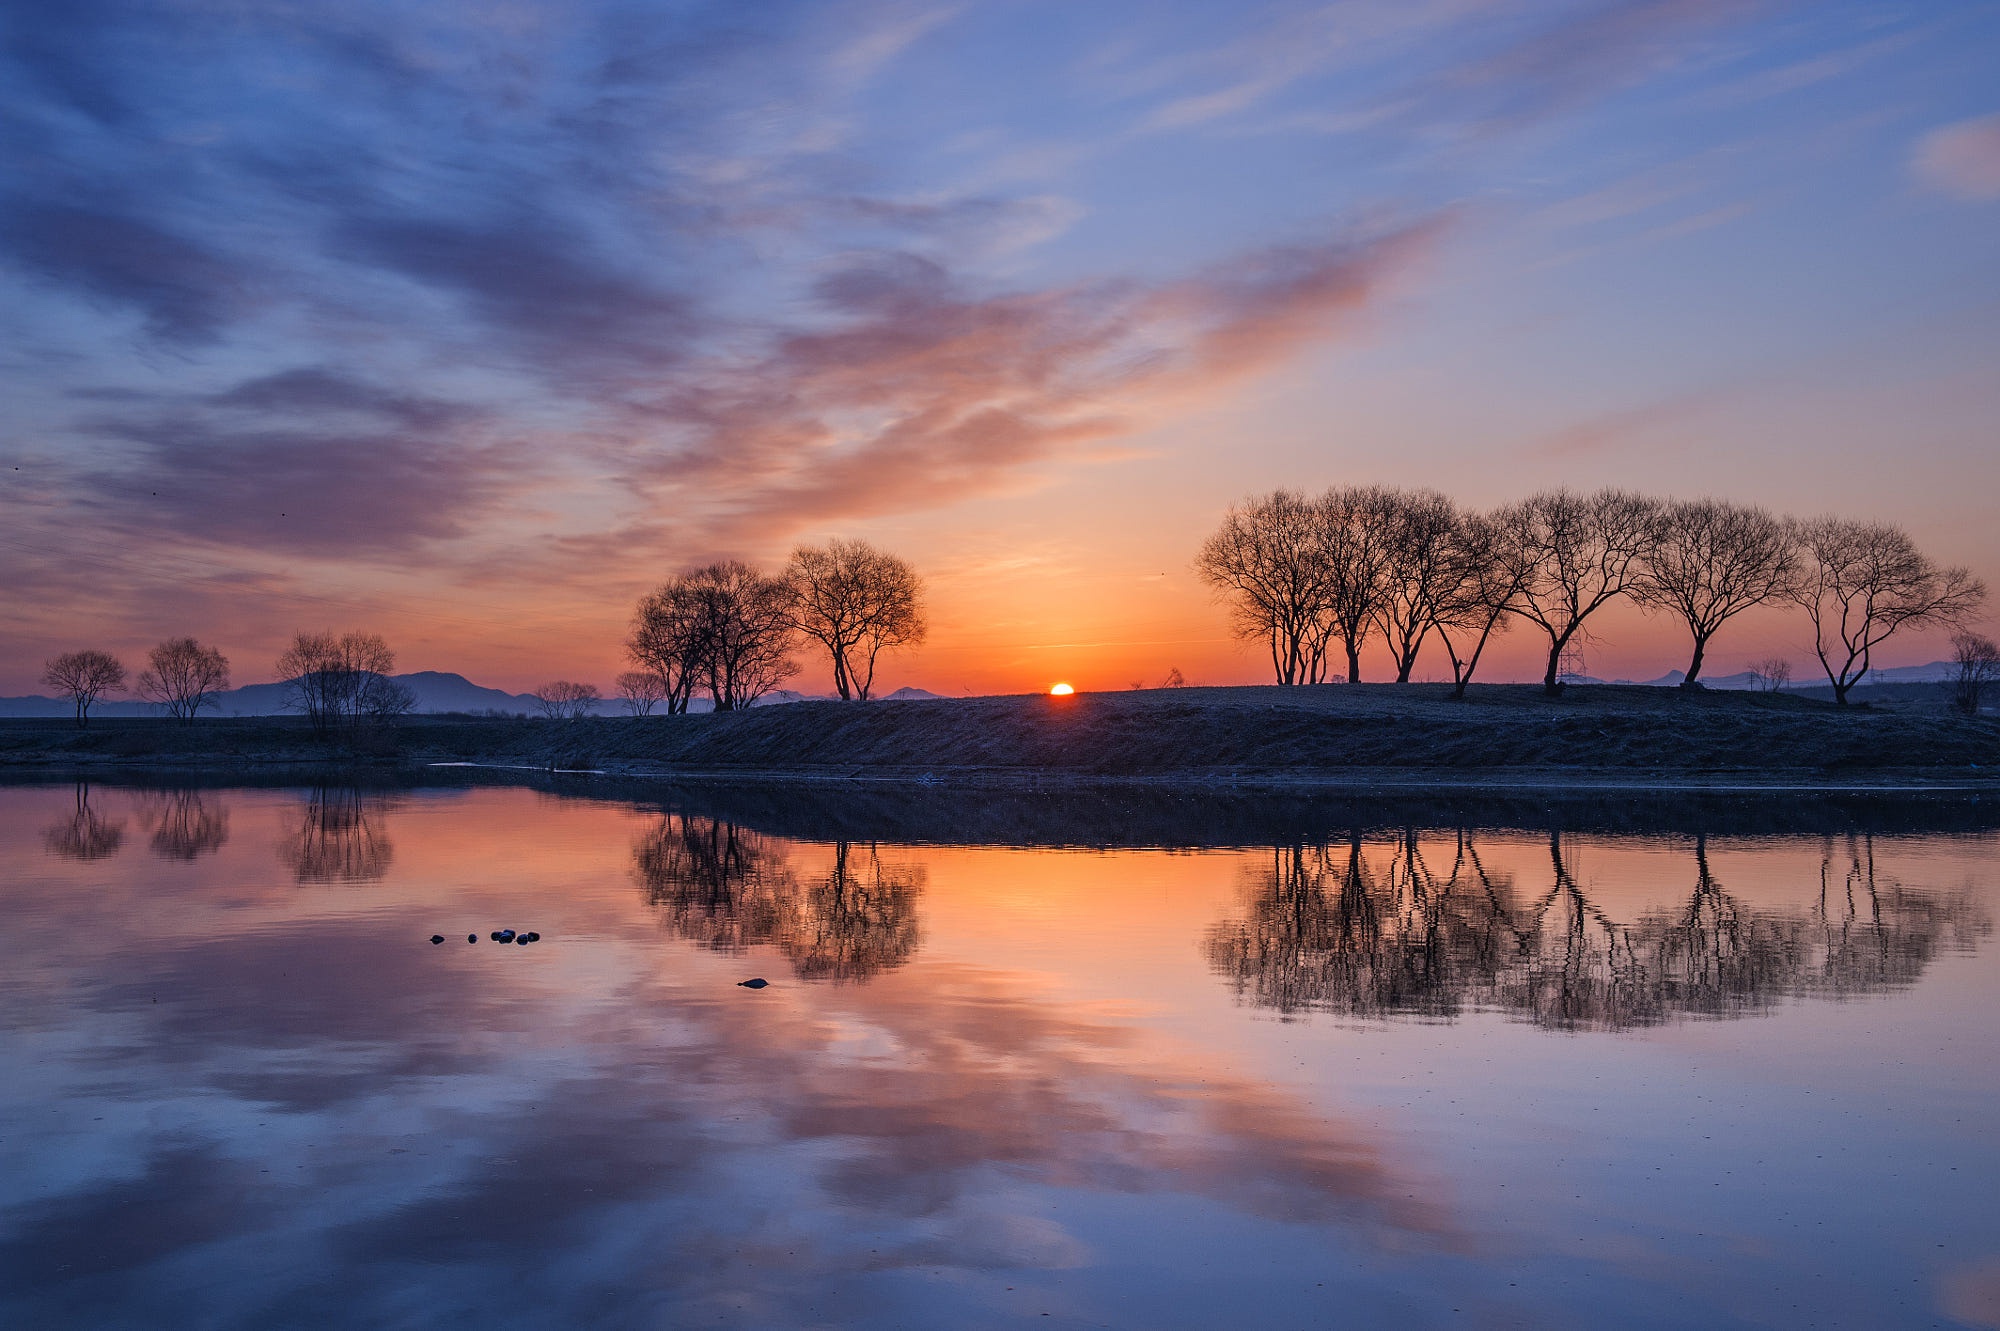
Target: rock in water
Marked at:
532, 936
522, 940
436, 939
759, 983
472, 938
504, 936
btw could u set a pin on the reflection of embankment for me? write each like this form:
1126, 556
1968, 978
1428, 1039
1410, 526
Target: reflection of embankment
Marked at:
85, 834
185, 824
339, 838
1334, 928
731, 888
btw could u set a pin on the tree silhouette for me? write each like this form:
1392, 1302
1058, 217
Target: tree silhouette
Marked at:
1862, 583
83, 678
183, 676
342, 680
857, 602
1581, 551
641, 691
1710, 562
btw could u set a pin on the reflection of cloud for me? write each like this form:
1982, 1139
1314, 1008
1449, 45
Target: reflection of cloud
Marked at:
1962, 159
444, 1122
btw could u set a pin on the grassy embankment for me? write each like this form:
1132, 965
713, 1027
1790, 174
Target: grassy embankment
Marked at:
1325, 735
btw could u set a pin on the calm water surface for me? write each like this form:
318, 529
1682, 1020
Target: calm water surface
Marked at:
1414, 1076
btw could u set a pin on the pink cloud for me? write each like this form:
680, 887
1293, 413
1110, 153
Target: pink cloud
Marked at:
1961, 159
917, 393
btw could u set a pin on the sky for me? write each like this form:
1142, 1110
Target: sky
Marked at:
469, 323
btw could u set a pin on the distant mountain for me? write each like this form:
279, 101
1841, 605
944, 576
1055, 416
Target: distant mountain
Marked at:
1936, 672
908, 694
436, 691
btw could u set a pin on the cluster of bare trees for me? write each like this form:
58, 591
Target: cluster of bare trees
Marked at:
729, 630
1313, 577
341, 681
566, 700
181, 675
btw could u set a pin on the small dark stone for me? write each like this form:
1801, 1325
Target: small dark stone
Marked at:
436, 939
504, 936
472, 938
534, 937
522, 940
759, 983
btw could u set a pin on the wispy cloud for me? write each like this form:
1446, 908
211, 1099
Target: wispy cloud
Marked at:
1962, 159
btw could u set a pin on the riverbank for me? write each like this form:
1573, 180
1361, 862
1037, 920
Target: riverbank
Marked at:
1370, 736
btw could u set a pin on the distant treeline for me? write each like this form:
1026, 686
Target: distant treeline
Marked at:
1312, 578
1309, 576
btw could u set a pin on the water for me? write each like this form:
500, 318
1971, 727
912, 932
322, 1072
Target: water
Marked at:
1414, 1071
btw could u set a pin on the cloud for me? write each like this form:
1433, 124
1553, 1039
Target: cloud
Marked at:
1961, 159
538, 285
299, 487
921, 392
186, 292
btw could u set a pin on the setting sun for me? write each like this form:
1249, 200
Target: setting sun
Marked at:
1061, 691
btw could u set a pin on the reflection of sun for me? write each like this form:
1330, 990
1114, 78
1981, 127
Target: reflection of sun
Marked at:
1062, 690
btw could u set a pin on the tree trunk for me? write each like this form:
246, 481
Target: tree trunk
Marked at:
1694, 666
1551, 686
1353, 662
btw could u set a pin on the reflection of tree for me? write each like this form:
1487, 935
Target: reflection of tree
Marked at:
185, 823
1325, 930
717, 884
84, 835
730, 888
855, 922
339, 838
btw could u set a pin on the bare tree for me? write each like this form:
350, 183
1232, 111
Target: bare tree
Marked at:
1267, 564
1711, 561
1977, 659
668, 640
641, 691
83, 678
1486, 570
566, 700
342, 680
856, 601
1772, 674
1174, 679
1356, 525
183, 676
1419, 569
1583, 550
745, 631
1865, 581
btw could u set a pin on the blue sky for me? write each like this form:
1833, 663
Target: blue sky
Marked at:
470, 322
